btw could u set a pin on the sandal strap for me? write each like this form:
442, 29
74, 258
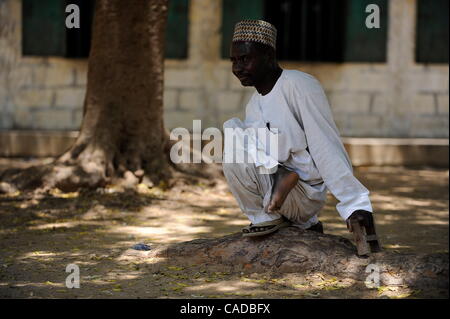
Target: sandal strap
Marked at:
270, 224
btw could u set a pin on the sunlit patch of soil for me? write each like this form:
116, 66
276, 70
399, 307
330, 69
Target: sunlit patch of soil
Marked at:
40, 236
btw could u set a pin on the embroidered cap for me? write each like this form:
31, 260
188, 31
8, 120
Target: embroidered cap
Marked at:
255, 31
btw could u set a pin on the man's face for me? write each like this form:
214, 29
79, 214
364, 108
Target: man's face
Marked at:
248, 63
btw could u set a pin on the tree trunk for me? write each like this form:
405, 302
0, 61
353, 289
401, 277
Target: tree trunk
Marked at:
122, 132
122, 138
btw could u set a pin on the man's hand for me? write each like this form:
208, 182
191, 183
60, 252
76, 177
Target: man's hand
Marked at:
365, 218
284, 182
365, 235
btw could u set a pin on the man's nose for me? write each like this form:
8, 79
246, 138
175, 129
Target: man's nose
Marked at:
237, 67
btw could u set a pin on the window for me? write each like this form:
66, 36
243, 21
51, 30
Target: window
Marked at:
361, 44
314, 30
44, 32
234, 11
432, 31
177, 29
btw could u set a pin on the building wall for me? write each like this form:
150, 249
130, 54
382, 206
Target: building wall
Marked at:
399, 98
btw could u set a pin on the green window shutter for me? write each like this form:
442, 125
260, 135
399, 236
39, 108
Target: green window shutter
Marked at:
432, 31
233, 11
360, 43
177, 29
43, 27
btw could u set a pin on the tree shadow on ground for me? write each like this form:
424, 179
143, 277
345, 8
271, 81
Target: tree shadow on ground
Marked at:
40, 237
410, 205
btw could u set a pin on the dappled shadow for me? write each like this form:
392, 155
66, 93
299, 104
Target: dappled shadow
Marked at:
23, 210
41, 236
410, 205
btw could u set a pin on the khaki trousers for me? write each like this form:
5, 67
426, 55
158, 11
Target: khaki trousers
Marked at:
253, 190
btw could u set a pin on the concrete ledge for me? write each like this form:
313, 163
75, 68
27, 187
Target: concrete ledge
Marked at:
362, 151
398, 151
35, 143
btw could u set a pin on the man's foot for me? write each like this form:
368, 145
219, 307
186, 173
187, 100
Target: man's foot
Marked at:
284, 181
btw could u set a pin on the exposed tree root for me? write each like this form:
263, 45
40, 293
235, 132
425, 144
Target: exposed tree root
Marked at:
85, 167
292, 250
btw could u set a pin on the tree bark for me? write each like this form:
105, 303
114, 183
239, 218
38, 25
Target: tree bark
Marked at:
292, 250
122, 138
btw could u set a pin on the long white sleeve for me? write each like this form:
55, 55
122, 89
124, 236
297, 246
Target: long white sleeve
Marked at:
328, 152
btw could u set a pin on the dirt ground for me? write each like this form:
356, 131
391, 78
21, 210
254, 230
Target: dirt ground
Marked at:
39, 237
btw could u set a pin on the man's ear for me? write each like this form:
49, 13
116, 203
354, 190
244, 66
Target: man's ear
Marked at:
270, 55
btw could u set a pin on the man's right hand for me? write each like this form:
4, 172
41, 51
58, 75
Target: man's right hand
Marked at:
364, 217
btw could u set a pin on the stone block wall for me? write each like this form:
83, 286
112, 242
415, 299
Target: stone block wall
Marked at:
399, 98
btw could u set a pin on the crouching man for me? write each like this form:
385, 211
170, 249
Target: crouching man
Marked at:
310, 158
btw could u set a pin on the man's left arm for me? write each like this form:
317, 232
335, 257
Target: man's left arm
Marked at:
328, 153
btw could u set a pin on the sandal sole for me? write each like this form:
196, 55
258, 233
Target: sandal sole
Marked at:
266, 232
